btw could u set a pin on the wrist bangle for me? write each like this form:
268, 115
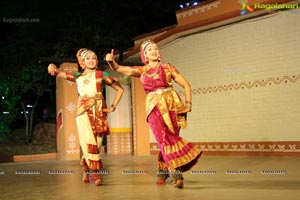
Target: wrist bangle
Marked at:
114, 108
188, 102
57, 71
112, 65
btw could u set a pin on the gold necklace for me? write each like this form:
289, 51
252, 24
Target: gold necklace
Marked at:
87, 78
154, 75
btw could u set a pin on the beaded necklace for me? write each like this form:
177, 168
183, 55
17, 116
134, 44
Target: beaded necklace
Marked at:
155, 74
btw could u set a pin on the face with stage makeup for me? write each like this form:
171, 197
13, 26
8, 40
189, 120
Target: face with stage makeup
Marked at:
90, 59
150, 52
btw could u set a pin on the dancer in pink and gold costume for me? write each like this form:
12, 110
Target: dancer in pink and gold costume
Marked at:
166, 113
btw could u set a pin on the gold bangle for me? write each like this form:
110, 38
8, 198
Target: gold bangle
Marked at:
188, 102
112, 65
56, 71
114, 108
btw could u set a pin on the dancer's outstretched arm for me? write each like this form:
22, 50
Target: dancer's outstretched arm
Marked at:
127, 70
53, 70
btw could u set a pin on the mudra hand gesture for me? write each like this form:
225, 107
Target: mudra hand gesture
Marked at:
52, 69
187, 108
110, 56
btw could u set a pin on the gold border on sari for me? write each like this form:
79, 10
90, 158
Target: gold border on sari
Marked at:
184, 159
166, 101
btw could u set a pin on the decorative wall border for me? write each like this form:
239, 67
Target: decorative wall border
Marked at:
245, 85
286, 148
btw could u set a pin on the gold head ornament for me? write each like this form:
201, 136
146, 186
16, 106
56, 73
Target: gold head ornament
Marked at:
145, 44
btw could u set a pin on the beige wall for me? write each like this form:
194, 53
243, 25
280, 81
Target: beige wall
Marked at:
245, 80
245, 76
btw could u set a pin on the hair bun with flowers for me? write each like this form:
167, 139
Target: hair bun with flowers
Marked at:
80, 56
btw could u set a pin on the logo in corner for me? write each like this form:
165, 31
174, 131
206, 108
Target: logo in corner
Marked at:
246, 8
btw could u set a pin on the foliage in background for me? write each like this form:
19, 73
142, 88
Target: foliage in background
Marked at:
32, 84
62, 27
8, 103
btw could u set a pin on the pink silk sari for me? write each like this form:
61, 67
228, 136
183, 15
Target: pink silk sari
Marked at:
162, 105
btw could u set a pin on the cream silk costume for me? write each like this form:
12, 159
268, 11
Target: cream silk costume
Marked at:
91, 122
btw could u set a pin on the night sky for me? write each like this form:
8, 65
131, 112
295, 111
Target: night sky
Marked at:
31, 29
58, 20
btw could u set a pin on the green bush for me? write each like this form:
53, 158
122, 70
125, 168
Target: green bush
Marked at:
4, 128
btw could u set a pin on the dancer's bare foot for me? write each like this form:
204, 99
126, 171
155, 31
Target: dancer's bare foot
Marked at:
85, 178
160, 181
97, 178
98, 182
178, 183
